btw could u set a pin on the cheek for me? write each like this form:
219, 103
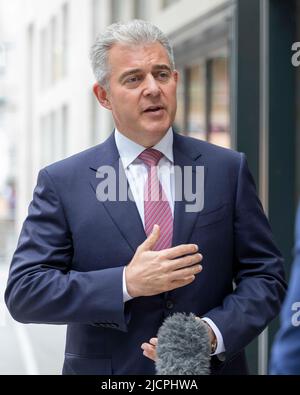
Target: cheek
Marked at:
172, 99
127, 111
127, 102
121, 104
171, 92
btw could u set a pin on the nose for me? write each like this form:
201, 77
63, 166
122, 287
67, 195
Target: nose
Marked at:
151, 86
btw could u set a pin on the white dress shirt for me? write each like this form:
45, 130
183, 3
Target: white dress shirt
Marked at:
136, 172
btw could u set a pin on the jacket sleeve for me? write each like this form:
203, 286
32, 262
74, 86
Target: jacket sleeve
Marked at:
258, 271
42, 287
286, 349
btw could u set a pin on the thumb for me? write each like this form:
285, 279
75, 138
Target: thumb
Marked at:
151, 239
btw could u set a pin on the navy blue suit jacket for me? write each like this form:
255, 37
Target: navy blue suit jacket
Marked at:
286, 349
67, 268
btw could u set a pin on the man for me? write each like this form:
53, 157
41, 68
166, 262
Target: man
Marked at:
286, 349
103, 267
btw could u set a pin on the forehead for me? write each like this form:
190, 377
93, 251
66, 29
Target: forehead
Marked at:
124, 57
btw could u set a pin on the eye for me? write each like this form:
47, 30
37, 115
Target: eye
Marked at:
163, 75
133, 80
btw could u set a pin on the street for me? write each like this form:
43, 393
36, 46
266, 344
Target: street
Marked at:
26, 349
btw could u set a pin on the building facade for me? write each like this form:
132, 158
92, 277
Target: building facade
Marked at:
8, 136
231, 55
60, 115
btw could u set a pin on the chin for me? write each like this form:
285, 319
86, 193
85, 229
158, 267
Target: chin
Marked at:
158, 130
155, 136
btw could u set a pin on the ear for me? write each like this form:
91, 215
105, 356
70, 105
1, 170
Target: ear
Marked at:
102, 95
176, 75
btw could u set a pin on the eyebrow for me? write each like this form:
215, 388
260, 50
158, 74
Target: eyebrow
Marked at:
162, 67
135, 71
129, 72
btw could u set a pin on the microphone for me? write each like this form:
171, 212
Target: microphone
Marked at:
183, 346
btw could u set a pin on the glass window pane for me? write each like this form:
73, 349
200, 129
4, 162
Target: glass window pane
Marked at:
53, 28
65, 38
43, 49
179, 123
116, 10
47, 139
219, 132
96, 120
196, 101
140, 9
65, 129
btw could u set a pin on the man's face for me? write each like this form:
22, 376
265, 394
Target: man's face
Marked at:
142, 91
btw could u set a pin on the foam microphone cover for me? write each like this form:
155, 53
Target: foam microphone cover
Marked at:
183, 346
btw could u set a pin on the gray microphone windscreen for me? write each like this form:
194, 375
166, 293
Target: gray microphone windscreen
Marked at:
183, 346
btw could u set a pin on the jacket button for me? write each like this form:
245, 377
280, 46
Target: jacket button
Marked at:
169, 304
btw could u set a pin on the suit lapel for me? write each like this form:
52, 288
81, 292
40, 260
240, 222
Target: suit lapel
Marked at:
185, 155
124, 214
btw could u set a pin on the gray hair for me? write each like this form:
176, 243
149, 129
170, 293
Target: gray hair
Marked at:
135, 32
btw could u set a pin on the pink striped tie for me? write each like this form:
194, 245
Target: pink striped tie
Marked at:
156, 205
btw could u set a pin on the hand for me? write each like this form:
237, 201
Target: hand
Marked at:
150, 349
211, 335
154, 272
212, 338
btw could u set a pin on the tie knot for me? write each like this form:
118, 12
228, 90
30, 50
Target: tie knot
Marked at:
151, 157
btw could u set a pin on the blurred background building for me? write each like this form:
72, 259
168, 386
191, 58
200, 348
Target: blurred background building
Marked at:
8, 137
238, 89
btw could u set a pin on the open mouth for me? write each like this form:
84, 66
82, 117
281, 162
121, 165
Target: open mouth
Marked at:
154, 109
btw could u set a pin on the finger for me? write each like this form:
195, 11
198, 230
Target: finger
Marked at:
181, 283
149, 351
153, 341
181, 263
151, 356
151, 239
179, 251
186, 273
149, 348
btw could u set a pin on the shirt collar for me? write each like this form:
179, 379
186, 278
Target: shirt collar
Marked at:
129, 150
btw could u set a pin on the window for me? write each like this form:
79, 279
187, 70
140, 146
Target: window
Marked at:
46, 141
196, 119
60, 132
45, 58
140, 8
179, 123
96, 17
54, 133
218, 132
65, 130
95, 124
43, 63
116, 10
203, 101
65, 38
54, 50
